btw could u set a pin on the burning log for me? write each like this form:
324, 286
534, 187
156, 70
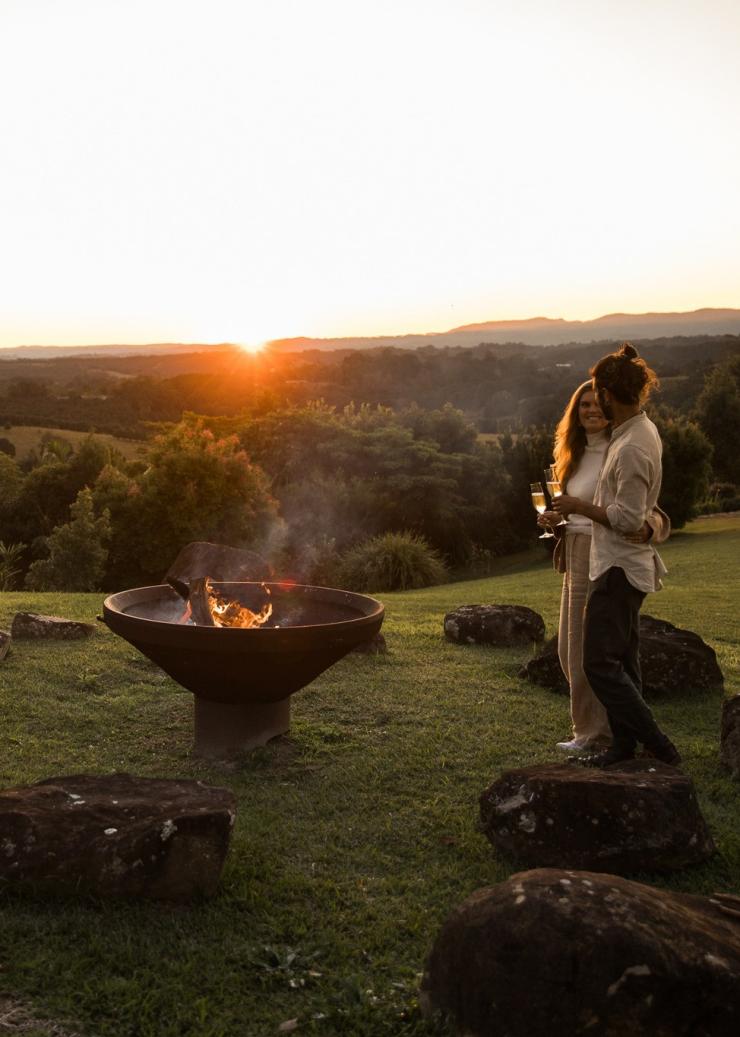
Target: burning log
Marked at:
217, 561
208, 607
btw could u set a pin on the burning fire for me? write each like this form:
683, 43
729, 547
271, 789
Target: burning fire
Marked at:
205, 606
229, 613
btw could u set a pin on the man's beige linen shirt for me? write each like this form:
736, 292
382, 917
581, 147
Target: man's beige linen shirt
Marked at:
628, 489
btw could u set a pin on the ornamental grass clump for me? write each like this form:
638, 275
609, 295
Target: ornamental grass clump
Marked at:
390, 562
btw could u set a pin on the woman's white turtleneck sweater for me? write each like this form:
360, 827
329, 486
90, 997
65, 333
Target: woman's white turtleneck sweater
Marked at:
583, 481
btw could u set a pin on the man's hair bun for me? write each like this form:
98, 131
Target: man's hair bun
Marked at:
625, 375
628, 350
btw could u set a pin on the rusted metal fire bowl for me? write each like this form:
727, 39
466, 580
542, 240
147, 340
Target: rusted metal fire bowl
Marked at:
242, 679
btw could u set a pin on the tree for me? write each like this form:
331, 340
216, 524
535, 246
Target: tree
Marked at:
718, 415
341, 478
77, 551
447, 427
43, 500
525, 458
27, 388
196, 486
11, 481
687, 468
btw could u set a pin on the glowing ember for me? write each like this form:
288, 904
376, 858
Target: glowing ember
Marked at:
229, 613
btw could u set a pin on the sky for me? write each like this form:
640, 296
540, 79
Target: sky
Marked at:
241, 170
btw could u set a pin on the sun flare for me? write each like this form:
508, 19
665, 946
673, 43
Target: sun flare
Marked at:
251, 347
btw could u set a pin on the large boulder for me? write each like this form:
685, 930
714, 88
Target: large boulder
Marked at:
31, 626
545, 669
635, 817
730, 735
500, 625
552, 953
672, 660
115, 835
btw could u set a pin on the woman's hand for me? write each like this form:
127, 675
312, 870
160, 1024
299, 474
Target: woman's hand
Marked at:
548, 518
641, 536
565, 505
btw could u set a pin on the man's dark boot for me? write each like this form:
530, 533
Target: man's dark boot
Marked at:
607, 757
665, 751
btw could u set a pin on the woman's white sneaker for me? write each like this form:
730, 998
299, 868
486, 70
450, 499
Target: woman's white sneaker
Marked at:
575, 745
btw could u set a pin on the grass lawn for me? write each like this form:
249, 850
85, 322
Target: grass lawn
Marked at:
355, 835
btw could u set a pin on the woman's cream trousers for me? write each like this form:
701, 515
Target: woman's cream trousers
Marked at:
588, 715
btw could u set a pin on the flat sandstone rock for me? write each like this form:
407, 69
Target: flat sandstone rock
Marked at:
115, 835
32, 626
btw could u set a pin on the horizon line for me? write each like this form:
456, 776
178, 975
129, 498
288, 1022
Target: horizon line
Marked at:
471, 328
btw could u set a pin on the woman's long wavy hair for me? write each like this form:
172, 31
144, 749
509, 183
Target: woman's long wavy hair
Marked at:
570, 436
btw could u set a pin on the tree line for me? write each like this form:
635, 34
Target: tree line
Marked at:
308, 484
499, 388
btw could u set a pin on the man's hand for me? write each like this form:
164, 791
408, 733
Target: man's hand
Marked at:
641, 536
565, 505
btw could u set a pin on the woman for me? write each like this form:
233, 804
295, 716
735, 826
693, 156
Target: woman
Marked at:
581, 439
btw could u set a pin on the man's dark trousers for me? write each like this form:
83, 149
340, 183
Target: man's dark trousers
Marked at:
611, 662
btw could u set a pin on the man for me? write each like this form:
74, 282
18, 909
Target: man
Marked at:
623, 565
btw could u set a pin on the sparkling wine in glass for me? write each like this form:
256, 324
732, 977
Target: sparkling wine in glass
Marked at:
554, 488
540, 504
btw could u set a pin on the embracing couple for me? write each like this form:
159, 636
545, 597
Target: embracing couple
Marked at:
608, 458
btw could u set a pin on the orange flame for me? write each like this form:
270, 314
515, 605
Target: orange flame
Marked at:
230, 613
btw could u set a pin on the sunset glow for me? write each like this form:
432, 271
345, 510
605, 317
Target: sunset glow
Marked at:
251, 347
237, 171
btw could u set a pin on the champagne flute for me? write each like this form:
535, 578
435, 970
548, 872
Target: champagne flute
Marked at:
540, 505
554, 488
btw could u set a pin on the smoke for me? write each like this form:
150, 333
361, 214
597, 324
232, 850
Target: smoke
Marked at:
321, 518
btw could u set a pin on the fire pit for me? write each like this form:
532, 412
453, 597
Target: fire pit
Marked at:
242, 678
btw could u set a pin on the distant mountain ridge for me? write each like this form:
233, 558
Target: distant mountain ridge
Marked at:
542, 331
532, 331
55, 352
693, 317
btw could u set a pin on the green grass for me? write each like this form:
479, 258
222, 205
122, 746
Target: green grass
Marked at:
26, 438
355, 835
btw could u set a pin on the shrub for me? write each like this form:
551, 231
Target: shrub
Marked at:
391, 561
722, 497
10, 556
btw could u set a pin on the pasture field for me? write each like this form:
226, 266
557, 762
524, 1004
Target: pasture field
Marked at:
26, 438
356, 833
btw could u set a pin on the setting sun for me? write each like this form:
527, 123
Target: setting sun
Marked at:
251, 347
